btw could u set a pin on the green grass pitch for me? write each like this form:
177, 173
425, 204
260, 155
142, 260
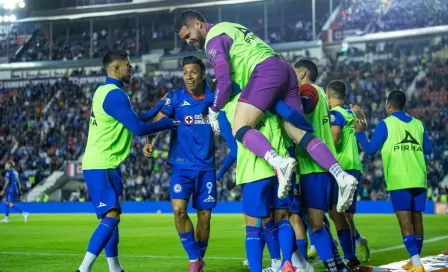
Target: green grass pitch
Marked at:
149, 242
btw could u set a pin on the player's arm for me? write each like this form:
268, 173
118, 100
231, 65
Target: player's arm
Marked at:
217, 51
166, 110
427, 146
297, 119
309, 97
150, 114
377, 141
118, 105
226, 133
7, 181
337, 123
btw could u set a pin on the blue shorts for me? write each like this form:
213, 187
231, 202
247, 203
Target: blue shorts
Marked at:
260, 196
11, 196
200, 185
105, 188
358, 175
412, 199
316, 191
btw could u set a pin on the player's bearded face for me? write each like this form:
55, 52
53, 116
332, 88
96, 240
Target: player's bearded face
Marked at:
193, 35
125, 70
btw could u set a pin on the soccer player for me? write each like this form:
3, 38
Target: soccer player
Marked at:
192, 158
316, 184
112, 123
347, 153
258, 191
12, 189
240, 56
269, 235
404, 143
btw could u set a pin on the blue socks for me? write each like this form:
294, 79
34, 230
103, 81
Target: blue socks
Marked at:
190, 245
102, 235
285, 238
345, 238
203, 247
111, 248
410, 241
420, 245
254, 250
271, 237
7, 210
324, 246
302, 245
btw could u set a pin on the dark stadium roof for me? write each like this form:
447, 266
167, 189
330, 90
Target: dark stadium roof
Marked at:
123, 8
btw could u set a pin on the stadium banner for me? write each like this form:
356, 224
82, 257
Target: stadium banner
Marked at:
367, 207
74, 169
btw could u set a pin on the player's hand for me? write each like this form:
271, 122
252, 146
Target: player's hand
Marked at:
218, 184
147, 150
361, 123
213, 120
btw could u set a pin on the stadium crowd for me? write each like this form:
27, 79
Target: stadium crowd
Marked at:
44, 125
380, 16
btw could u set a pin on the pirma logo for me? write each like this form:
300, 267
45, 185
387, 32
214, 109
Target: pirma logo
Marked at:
409, 143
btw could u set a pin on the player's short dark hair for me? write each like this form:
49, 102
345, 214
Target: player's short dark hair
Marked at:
193, 60
310, 66
338, 88
397, 99
183, 18
114, 55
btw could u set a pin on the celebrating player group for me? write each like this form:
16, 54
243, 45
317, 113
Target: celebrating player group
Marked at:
295, 145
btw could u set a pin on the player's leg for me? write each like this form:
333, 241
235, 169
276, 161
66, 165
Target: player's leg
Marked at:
106, 191
204, 201
270, 233
419, 202
265, 85
299, 258
345, 238
7, 210
181, 187
256, 209
111, 248
360, 244
13, 206
316, 198
402, 201
297, 223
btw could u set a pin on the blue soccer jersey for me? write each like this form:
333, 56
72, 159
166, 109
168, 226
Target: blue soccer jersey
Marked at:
13, 178
192, 144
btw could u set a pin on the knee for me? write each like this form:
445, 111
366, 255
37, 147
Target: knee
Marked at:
281, 215
204, 217
239, 133
180, 213
11, 204
315, 226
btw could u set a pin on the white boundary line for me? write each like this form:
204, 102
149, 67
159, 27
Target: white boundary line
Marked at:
435, 239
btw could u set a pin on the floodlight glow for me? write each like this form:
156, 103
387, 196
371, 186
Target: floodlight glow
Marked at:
12, 18
1, 19
6, 18
22, 5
